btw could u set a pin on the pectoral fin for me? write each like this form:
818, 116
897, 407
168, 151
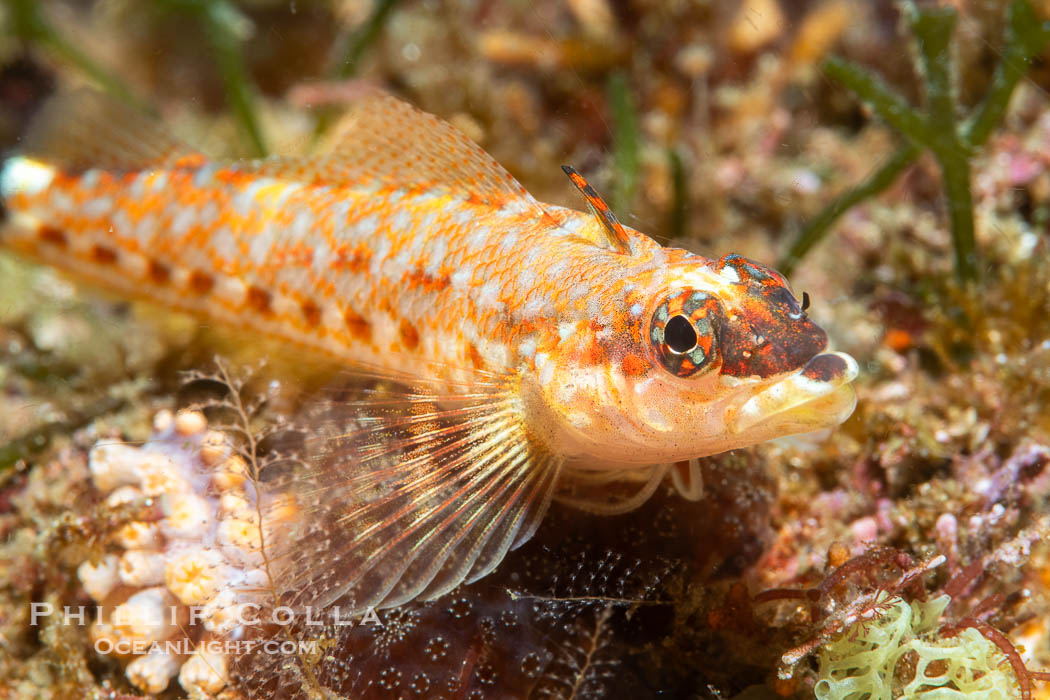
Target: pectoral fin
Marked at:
419, 494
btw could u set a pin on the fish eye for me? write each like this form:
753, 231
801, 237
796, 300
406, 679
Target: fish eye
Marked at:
684, 332
679, 335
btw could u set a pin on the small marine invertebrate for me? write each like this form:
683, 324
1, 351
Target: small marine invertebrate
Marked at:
188, 575
579, 670
937, 130
877, 571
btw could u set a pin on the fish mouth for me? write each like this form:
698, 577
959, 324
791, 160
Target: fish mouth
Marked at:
818, 396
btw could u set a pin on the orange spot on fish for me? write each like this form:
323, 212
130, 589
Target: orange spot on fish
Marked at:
200, 282
355, 260
158, 272
103, 255
259, 300
632, 365
429, 283
311, 312
360, 329
52, 235
191, 161
474, 356
409, 335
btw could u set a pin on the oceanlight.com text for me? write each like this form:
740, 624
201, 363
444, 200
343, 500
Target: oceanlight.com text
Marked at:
186, 646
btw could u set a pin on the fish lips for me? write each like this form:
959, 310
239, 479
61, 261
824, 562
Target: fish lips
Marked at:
817, 396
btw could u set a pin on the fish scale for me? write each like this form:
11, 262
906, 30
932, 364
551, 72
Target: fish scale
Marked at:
333, 247
534, 346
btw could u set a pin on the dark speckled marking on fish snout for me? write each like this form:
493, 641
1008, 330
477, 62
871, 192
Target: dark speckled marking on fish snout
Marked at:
825, 368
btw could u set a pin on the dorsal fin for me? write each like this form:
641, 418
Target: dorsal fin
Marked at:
382, 139
83, 128
614, 232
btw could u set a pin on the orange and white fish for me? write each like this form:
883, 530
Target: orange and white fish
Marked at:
542, 346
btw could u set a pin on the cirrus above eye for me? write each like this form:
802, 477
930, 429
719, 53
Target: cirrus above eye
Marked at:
684, 332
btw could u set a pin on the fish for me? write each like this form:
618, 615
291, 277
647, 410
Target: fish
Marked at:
537, 352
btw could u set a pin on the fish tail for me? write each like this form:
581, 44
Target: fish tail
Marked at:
68, 190
22, 179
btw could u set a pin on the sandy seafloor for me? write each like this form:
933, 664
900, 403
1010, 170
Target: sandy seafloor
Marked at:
947, 453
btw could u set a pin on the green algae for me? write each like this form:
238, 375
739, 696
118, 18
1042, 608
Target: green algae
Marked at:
225, 27
937, 130
626, 142
29, 22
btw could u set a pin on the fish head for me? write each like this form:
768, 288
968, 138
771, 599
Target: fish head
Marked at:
694, 358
